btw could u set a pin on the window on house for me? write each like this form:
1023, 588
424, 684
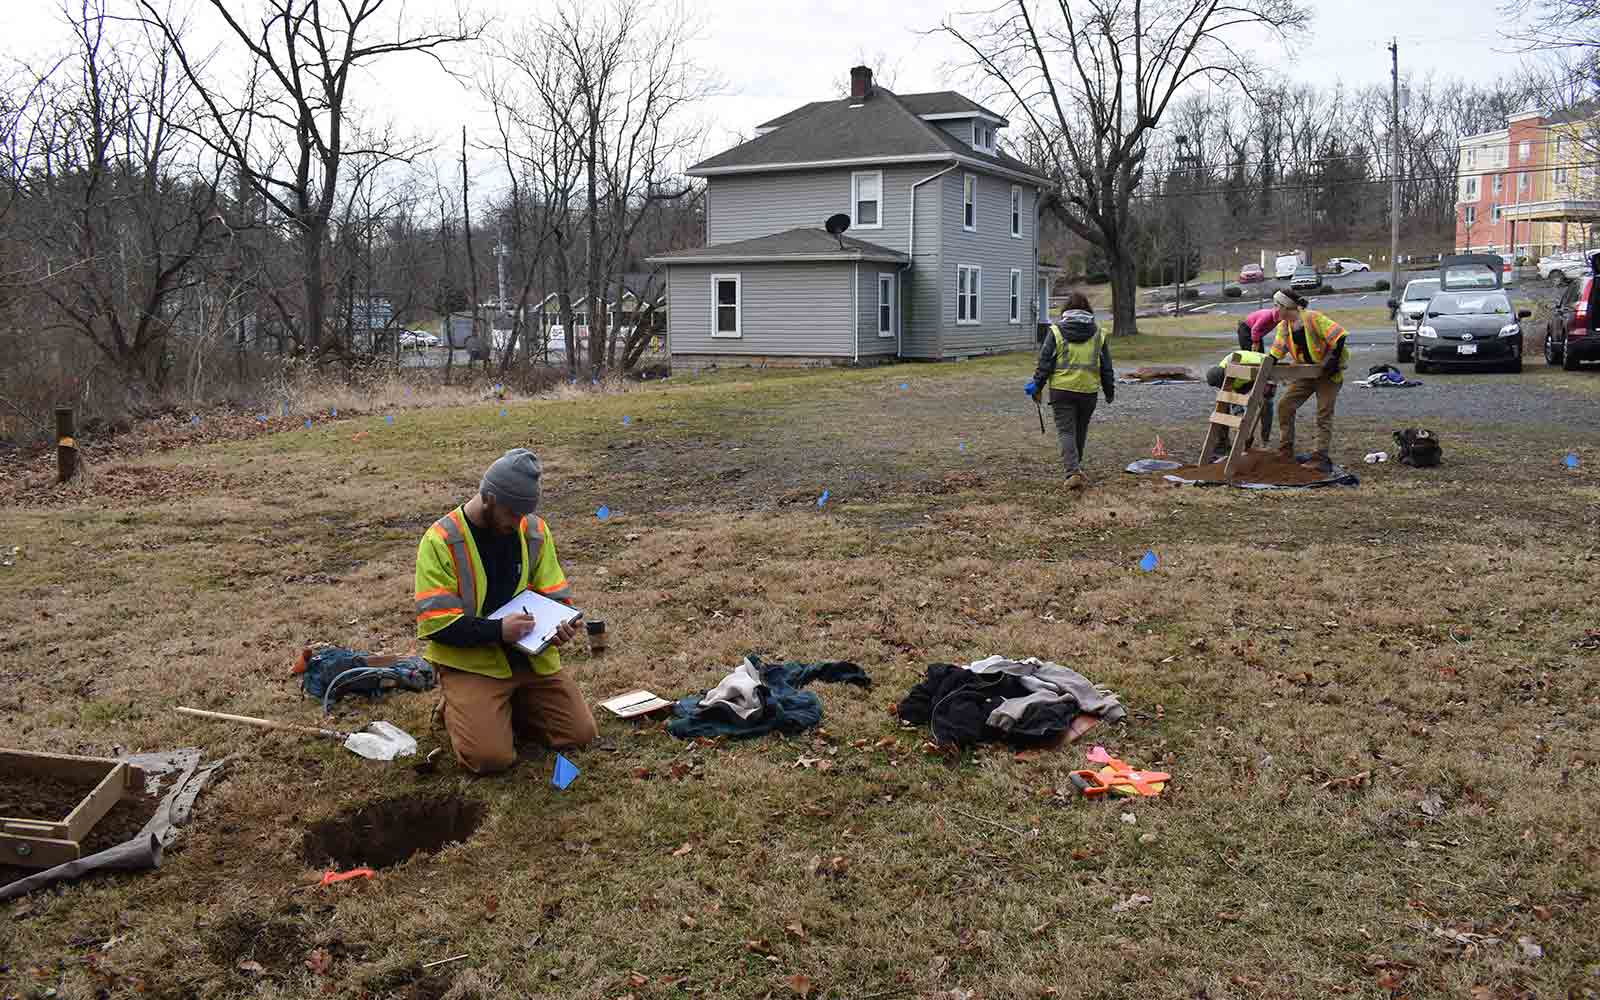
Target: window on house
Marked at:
1524, 149
729, 305
1561, 175
1497, 179
1522, 183
1472, 158
1495, 213
1561, 147
1472, 189
1469, 215
969, 202
968, 281
885, 305
1015, 315
866, 200
1016, 211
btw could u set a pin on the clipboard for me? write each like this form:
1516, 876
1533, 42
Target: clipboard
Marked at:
549, 615
634, 703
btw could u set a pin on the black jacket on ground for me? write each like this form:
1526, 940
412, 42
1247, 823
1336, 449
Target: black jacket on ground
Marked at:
956, 703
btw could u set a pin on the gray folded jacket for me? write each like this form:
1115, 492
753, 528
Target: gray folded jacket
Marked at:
1050, 683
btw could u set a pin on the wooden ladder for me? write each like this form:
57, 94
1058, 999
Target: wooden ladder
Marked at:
1244, 426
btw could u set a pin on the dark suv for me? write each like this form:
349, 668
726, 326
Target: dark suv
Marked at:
1570, 337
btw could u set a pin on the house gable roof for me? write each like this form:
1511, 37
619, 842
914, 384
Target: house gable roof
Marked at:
880, 128
947, 102
802, 244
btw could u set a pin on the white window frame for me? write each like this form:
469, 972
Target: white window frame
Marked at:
1497, 179
1472, 158
1469, 215
1472, 189
855, 199
1522, 183
1016, 211
885, 300
969, 199
738, 306
1014, 313
1561, 176
973, 275
1494, 214
1524, 150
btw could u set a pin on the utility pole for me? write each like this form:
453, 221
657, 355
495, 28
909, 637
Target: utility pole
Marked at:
1394, 169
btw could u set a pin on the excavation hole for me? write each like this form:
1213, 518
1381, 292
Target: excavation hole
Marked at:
385, 833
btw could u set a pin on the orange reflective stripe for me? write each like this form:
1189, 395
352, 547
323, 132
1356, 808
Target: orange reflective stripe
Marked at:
443, 612
563, 585
435, 592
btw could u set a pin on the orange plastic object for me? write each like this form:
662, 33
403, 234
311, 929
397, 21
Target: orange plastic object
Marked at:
300, 663
330, 877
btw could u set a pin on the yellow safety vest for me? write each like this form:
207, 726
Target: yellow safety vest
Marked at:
1077, 365
450, 580
1251, 358
1322, 335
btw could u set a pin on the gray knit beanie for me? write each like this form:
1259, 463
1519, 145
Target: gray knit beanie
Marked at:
513, 481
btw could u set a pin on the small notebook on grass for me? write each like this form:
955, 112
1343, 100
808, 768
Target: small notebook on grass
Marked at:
550, 615
634, 703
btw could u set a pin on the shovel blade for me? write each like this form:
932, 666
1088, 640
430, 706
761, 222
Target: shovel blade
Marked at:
381, 741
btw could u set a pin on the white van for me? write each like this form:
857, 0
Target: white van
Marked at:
1286, 264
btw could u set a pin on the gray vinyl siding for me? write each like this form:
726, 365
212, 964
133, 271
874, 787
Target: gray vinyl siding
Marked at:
961, 129
923, 292
992, 248
749, 206
867, 310
799, 310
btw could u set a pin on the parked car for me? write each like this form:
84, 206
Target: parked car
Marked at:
1470, 328
1251, 273
1305, 276
1344, 265
1563, 267
1408, 310
426, 339
1285, 265
1569, 337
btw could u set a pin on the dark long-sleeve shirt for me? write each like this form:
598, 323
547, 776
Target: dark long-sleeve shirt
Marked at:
1047, 367
502, 570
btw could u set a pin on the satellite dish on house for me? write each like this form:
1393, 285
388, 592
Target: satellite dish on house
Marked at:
836, 225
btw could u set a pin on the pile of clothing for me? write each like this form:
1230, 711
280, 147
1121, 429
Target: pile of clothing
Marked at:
1387, 376
758, 698
1021, 702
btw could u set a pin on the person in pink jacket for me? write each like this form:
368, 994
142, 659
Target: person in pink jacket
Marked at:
1254, 328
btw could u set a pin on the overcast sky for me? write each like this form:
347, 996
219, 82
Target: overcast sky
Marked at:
771, 57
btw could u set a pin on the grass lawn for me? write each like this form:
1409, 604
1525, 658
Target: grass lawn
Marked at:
1373, 701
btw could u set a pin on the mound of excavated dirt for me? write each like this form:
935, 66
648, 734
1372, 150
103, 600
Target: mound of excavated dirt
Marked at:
1255, 467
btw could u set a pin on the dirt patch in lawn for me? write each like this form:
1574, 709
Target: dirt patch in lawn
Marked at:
383, 834
27, 796
1255, 467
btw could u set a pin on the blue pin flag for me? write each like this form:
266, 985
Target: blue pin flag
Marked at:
261, 417
963, 446
822, 499
308, 423
1572, 460
1150, 561
604, 513
502, 411
565, 774
904, 386
389, 419
626, 421
336, 414
195, 420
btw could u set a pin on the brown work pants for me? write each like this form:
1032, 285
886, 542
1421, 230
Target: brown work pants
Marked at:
1327, 392
484, 715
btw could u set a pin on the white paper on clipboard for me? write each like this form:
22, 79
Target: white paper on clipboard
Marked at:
550, 616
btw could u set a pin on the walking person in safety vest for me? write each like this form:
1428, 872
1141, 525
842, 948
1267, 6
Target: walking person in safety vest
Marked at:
1217, 374
470, 562
1075, 363
1308, 337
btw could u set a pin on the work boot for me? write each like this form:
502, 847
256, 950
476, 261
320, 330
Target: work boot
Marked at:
1319, 461
1077, 481
1285, 452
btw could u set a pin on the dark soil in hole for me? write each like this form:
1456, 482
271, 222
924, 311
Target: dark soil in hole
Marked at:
1255, 467
381, 834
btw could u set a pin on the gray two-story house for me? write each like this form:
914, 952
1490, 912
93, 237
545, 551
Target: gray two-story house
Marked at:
941, 259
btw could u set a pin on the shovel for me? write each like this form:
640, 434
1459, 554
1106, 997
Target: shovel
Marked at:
378, 741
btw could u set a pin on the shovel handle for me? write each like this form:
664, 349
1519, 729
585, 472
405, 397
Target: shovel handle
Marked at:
250, 720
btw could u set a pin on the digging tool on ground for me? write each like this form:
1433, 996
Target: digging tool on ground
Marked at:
378, 741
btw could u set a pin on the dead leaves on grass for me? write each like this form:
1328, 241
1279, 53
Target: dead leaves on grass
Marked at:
801, 984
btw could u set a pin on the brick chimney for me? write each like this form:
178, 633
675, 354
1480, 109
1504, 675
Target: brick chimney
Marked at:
860, 83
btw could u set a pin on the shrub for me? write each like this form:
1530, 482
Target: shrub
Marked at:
1233, 292
1191, 293
1382, 285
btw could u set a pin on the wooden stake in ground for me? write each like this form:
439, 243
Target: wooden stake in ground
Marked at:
66, 444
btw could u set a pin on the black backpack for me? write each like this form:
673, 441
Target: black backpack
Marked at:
1418, 448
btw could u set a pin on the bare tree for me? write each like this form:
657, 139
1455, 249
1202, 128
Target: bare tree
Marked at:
291, 132
1094, 78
